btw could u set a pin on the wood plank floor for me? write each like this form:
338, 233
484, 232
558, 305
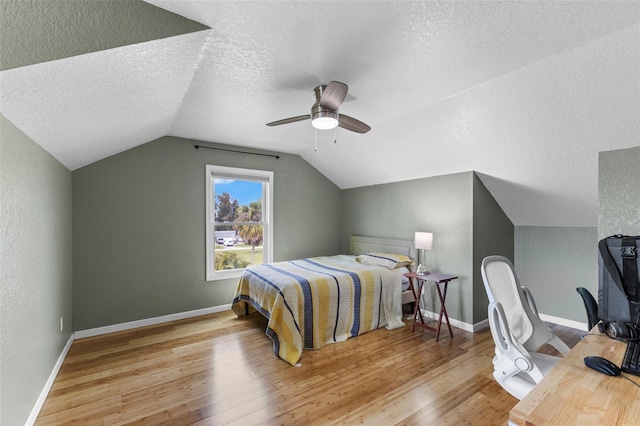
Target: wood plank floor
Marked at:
221, 370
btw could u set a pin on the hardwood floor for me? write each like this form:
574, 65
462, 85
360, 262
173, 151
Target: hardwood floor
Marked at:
221, 370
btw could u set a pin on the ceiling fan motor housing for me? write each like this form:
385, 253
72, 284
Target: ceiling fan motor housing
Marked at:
317, 112
323, 117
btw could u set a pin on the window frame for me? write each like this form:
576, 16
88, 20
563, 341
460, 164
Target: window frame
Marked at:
214, 171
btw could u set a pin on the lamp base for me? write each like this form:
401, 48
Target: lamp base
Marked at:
421, 270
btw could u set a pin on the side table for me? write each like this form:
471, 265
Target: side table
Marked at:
442, 282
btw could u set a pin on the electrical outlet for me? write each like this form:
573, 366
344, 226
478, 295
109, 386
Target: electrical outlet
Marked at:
61, 324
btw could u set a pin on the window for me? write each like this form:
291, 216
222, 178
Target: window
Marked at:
239, 220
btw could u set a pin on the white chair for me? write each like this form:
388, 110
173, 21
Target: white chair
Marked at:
514, 368
502, 286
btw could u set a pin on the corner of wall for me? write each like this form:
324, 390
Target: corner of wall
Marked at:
493, 234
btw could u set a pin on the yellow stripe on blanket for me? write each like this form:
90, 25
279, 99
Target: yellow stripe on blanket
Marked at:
322, 293
315, 301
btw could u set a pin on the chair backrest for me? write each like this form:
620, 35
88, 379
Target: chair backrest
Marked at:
502, 285
590, 305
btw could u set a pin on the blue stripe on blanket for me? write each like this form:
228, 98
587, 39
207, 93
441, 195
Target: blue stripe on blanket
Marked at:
293, 317
247, 299
335, 326
355, 329
308, 303
274, 338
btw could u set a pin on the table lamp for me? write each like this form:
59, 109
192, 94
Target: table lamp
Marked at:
422, 241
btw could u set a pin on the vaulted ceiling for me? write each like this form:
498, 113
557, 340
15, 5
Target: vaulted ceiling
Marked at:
524, 93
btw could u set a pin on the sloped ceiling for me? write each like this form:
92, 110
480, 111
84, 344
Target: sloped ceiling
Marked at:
524, 93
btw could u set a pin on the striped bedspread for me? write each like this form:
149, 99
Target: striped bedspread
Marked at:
315, 301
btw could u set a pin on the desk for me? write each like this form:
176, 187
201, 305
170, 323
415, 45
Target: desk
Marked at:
440, 280
573, 394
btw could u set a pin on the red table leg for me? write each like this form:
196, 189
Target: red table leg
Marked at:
443, 310
416, 310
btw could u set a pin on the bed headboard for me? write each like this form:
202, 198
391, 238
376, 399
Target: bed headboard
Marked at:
359, 244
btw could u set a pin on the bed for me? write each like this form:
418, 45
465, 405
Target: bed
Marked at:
315, 301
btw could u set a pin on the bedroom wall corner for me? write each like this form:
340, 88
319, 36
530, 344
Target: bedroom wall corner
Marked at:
440, 204
493, 234
35, 270
139, 228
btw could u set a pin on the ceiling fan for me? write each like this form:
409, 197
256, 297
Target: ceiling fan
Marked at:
324, 113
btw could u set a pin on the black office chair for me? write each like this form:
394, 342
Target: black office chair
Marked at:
590, 305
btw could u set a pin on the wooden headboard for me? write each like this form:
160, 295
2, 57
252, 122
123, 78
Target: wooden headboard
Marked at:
359, 244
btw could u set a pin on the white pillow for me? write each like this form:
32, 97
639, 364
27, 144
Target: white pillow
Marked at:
388, 260
405, 280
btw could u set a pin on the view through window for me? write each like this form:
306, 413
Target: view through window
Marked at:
238, 209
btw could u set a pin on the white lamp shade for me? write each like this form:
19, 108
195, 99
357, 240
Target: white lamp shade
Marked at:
423, 240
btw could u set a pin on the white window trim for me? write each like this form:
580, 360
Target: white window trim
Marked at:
267, 213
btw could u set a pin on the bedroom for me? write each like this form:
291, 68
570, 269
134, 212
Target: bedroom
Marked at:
114, 241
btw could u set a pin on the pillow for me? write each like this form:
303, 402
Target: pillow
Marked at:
388, 260
405, 280
404, 270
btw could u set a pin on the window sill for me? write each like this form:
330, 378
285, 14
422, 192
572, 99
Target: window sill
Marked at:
225, 275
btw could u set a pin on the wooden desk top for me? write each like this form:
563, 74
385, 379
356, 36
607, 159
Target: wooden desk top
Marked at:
573, 394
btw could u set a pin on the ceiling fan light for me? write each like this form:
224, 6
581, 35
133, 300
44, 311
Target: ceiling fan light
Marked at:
324, 123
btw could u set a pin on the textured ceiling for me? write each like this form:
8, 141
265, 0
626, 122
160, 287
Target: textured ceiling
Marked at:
524, 93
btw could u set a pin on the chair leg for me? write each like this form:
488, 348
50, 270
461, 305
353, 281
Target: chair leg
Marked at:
562, 347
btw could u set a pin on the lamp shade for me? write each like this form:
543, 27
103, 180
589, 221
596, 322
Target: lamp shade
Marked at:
423, 240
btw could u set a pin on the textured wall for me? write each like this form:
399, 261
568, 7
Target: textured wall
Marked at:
139, 228
442, 205
619, 192
35, 270
552, 262
60, 29
492, 235
466, 221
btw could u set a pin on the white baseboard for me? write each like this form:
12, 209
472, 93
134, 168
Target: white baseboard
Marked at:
565, 322
485, 323
457, 323
49, 383
544, 317
149, 321
480, 325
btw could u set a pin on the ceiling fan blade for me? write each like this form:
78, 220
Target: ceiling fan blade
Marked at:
333, 95
289, 120
352, 124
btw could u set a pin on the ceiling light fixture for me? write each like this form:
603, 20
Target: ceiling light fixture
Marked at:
324, 120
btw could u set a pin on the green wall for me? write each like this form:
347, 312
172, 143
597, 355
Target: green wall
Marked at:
41, 31
619, 192
552, 262
139, 228
492, 235
445, 206
35, 269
